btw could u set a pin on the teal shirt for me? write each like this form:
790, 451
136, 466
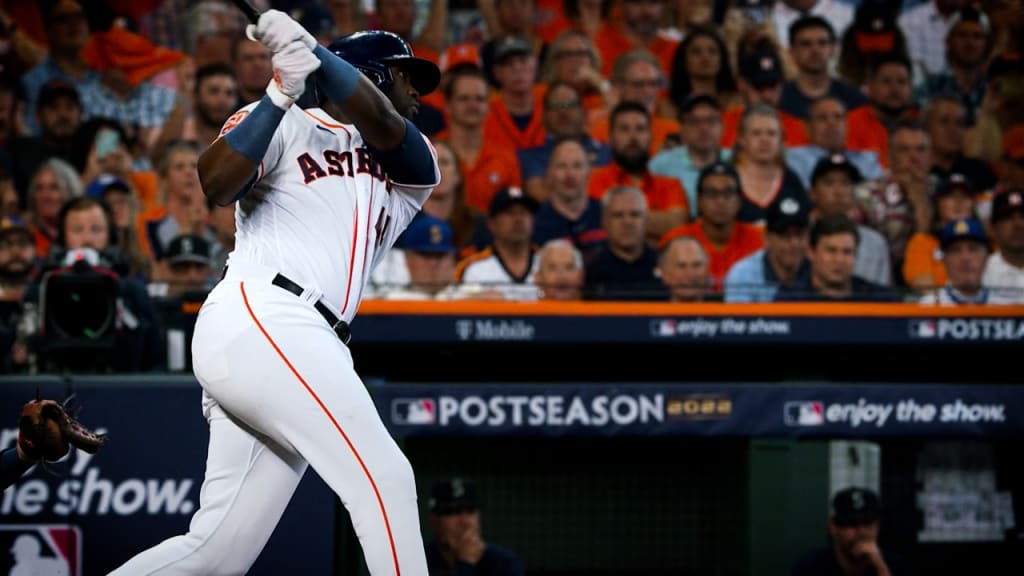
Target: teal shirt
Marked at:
676, 163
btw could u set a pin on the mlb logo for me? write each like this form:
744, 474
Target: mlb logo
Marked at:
40, 549
413, 411
922, 329
663, 328
804, 413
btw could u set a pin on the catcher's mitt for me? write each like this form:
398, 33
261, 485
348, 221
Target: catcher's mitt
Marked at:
46, 431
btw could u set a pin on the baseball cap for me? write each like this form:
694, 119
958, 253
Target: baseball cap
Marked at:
1006, 203
14, 224
55, 89
64, 8
459, 55
99, 186
511, 46
855, 505
717, 168
189, 248
428, 234
953, 182
507, 197
1013, 143
761, 67
835, 163
698, 99
962, 229
453, 495
787, 212
969, 14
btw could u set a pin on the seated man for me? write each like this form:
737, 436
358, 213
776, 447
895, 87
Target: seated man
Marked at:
783, 260
683, 268
458, 546
853, 527
623, 267
559, 271
965, 248
832, 254
509, 263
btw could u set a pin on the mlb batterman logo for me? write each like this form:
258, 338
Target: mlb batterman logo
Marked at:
41, 549
413, 411
804, 413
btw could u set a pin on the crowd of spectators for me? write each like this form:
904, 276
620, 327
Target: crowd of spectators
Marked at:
659, 150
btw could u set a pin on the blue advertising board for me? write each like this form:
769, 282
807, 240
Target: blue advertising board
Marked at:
94, 512
827, 410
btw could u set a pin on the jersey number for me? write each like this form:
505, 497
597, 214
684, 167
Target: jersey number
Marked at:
382, 225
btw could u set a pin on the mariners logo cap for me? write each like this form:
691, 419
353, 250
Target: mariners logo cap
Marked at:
856, 506
428, 234
453, 495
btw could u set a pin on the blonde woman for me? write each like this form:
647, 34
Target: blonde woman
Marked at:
757, 154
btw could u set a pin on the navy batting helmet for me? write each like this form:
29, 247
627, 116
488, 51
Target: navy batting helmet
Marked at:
373, 52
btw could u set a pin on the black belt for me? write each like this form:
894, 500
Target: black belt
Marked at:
339, 326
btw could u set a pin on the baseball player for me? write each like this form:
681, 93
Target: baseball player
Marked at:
323, 193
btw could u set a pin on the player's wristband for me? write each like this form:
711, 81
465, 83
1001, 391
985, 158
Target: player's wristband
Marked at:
251, 137
279, 98
339, 78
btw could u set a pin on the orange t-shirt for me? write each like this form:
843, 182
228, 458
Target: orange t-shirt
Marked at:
612, 43
744, 241
501, 130
495, 168
864, 131
924, 256
663, 192
661, 128
794, 132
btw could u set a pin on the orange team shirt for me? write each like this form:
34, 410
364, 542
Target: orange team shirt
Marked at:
663, 192
924, 256
550, 20
501, 130
744, 241
793, 130
864, 131
661, 128
495, 168
141, 222
612, 43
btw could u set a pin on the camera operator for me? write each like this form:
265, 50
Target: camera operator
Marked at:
84, 244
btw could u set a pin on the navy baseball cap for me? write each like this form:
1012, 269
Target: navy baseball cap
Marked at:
762, 67
428, 234
717, 168
512, 46
9, 224
954, 182
189, 248
99, 186
963, 229
787, 212
453, 495
835, 163
507, 197
856, 506
1006, 203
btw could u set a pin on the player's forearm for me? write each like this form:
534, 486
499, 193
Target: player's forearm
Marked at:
228, 167
378, 122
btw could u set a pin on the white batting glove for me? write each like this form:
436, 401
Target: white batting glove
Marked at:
275, 30
292, 65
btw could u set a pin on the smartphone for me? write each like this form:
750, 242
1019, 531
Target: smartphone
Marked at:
107, 141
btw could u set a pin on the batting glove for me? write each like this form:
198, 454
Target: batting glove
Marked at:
292, 65
276, 30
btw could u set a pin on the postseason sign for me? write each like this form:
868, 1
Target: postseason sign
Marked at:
769, 410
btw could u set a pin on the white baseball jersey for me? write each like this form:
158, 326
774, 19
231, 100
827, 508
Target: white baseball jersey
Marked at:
327, 213
320, 179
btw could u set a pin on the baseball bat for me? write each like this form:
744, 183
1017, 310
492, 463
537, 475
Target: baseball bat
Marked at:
250, 12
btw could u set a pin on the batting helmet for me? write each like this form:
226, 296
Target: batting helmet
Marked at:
373, 52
